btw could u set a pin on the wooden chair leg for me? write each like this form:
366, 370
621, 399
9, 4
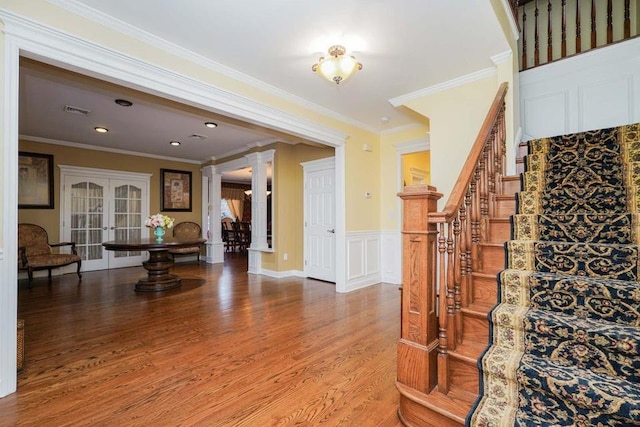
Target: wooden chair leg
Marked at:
30, 274
78, 271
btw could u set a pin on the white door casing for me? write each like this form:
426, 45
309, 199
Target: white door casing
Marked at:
319, 219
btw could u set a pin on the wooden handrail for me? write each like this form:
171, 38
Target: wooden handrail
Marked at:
461, 186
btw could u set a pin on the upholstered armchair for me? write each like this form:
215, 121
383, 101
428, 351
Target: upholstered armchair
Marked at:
36, 253
185, 231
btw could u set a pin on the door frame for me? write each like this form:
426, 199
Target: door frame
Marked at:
27, 37
108, 174
315, 166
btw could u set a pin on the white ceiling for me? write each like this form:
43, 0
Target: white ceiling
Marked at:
404, 46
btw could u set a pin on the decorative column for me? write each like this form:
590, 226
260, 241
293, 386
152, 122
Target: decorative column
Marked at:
258, 163
211, 229
418, 345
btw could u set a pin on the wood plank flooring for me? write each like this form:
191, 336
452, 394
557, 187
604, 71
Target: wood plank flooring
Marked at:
225, 349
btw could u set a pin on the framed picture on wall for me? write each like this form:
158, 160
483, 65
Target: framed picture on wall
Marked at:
35, 181
175, 191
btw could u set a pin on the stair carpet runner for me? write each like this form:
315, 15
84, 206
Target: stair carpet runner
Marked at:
565, 335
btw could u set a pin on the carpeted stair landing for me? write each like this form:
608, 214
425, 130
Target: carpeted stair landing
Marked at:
565, 335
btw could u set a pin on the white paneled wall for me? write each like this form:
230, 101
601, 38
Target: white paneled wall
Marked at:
594, 90
373, 257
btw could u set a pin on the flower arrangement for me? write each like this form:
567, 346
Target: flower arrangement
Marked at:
159, 220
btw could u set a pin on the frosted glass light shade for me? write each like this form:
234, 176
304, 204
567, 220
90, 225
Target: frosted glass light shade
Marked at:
337, 67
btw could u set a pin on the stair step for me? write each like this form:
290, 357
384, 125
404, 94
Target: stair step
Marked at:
434, 409
499, 229
511, 184
492, 257
484, 289
469, 351
505, 205
475, 326
463, 374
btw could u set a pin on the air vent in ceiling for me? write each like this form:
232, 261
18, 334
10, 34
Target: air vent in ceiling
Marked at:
76, 110
197, 136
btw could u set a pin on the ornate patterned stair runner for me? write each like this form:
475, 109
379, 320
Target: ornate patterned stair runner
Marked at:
565, 335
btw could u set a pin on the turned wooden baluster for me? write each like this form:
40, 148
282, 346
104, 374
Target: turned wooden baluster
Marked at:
627, 20
468, 243
450, 283
594, 38
524, 38
443, 318
475, 221
578, 29
609, 22
457, 279
563, 45
549, 33
536, 39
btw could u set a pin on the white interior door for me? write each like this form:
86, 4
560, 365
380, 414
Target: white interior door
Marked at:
85, 222
98, 208
125, 220
320, 238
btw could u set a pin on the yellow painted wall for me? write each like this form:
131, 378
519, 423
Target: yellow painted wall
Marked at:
389, 173
288, 205
420, 160
363, 174
456, 116
361, 214
70, 156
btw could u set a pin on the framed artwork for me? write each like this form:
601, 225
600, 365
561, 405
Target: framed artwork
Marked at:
35, 181
175, 191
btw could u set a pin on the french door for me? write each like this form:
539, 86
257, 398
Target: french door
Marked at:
99, 207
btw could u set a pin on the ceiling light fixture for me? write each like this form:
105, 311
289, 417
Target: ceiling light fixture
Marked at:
101, 129
123, 102
211, 125
175, 143
337, 67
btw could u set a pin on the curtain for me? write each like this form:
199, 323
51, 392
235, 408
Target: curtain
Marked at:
232, 193
236, 207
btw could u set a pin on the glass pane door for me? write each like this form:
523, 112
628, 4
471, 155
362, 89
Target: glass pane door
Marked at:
127, 220
85, 202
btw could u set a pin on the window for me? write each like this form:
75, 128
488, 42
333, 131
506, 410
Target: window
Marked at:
225, 212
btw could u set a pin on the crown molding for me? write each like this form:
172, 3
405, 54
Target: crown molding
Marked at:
501, 57
105, 149
46, 43
120, 26
458, 81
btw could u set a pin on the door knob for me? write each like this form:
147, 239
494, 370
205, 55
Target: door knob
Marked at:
332, 231
104, 228
113, 228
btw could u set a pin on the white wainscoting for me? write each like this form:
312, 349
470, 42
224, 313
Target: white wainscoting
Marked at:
363, 259
594, 90
391, 256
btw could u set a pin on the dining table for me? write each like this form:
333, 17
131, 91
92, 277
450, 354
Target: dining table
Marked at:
159, 263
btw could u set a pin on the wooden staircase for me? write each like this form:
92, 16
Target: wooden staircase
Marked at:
442, 340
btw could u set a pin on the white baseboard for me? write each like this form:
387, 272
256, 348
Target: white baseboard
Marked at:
281, 274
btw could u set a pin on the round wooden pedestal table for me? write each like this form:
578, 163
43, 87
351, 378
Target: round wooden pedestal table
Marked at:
159, 262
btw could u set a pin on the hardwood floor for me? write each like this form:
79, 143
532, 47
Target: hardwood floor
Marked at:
225, 349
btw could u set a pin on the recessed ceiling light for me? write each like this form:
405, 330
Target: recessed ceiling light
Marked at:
100, 129
211, 125
123, 102
174, 143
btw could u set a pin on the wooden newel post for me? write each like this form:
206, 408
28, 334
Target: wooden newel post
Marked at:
418, 345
